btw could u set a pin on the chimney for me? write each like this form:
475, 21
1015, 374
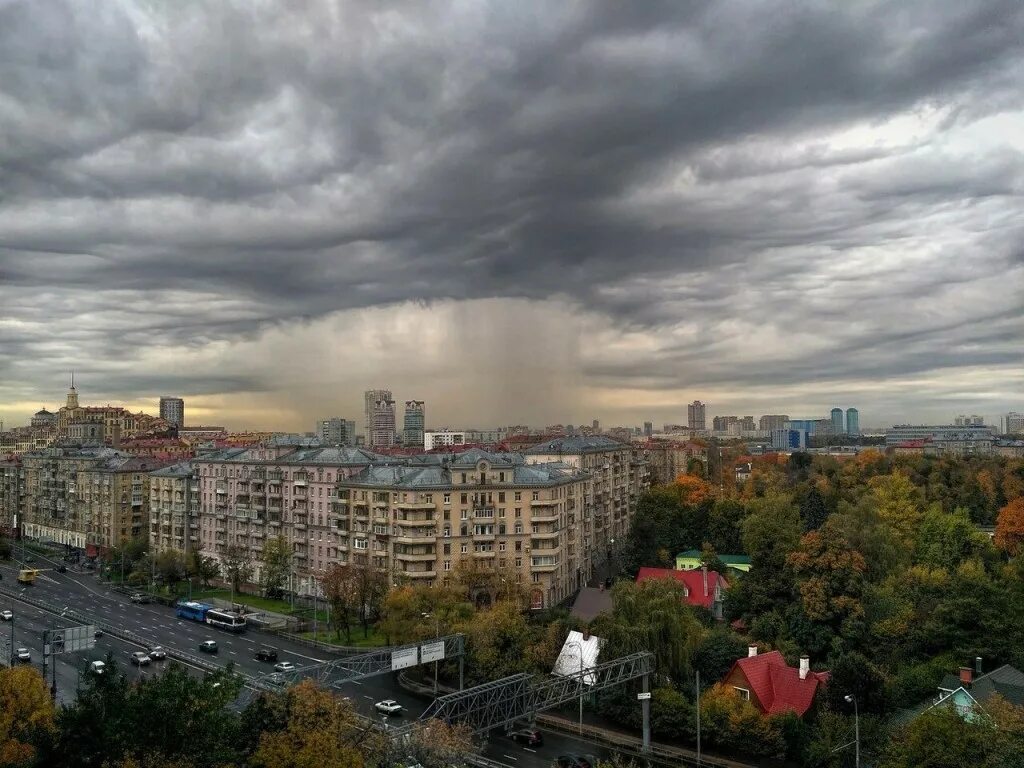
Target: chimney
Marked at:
704, 573
977, 666
805, 667
966, 676
751, 651
586, 635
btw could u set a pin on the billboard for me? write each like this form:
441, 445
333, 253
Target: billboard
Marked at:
81, 638
404, 657
432, 651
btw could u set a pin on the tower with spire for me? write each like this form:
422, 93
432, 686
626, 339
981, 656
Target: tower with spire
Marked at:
72, 394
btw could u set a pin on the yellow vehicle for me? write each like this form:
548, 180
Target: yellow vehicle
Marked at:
27, 575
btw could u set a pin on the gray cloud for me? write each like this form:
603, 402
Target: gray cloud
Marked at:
698, 175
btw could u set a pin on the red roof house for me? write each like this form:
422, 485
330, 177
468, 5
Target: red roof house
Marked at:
702, 587
772, 685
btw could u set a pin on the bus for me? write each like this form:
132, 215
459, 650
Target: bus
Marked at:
232, 622
207, 614
27, 575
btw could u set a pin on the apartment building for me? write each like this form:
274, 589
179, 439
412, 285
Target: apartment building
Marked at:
422, 520
48, 504
283, 487
10, 495
174, 508
113, 500
618, 476
667, 459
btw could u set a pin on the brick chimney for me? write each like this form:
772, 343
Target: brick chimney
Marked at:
805, 667
751, 651
966, 676
977, 666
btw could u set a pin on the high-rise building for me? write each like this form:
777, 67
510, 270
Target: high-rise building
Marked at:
596, 426
336, 431
721, 423
382, 424
648, 428
696, 415
747, 424
969, 421
172, 410
414, 422
1013, 423
852, 421
370, 398
838, 422
770, 423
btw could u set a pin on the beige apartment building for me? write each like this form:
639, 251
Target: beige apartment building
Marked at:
618, 476
491, 512
174, 509
113, 500
10, 495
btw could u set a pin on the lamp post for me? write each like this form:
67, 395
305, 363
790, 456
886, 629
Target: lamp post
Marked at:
437, 633
579, 648
851, 699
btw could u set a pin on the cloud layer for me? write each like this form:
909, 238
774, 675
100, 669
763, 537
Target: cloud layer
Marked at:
557, 210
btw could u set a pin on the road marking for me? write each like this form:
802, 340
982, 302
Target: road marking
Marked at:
355, 682
301, 656
511, 758
368, 697
530, 750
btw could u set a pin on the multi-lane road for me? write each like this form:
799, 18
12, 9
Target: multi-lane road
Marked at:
158, 625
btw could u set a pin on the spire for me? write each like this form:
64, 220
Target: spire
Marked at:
72, 401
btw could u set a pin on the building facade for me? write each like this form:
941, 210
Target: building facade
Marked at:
443, 439
773, 421
838, 421
336, 431
382, 424
414, 422
696, 415
943, 439
113, 500
172, 410
1013, 423
11, 481
174, 509
852, 421
667, 459
370, 399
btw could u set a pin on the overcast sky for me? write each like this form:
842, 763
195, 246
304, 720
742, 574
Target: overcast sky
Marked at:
521, 212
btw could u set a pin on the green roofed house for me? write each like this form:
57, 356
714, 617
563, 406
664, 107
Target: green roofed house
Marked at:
690, 561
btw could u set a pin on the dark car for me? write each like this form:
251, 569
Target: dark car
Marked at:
266, 654
208, 646
531, 737
62, 569
576, 761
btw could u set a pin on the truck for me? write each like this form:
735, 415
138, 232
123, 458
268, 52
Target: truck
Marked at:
27, 575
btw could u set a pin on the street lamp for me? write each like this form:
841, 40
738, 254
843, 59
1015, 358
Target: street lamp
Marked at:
851, 699
437, 633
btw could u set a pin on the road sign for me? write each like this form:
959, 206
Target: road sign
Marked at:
643, 696
432, 651
81, 638
405, 657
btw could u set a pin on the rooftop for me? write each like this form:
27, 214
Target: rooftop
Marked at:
574, 444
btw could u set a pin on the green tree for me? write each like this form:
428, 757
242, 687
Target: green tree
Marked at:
724, 530
940, 738
714, 656
770, 533
813, 512
277, 561
339, 587
496, 639
830, 577
947, 539
170, 566
899, 504
5, 549
237, 566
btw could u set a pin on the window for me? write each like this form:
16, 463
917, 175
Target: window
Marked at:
464, 548
447, 565
463, 480
465, 514
360, 544
519, 511
536, 495
519, 562
501, 494
519, 546
465, 498
743, 693
519, 527
501, 546
447, 549
447, 498
447, 531
519, 496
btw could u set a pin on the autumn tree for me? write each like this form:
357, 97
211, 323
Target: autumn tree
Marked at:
339, 587
26, 715
277, 561
1010, 527
830, 577
436, 744
320, 730
496, 641
691, 490
729, 721
417, 612
899, 504
170, 566
237, 565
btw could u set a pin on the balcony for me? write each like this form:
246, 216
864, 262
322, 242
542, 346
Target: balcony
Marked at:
484, 536
300, 481
420, 574
545, 535
544, 516
544, 502
416, 539
544, 567
415, 557
414, 504
490, 553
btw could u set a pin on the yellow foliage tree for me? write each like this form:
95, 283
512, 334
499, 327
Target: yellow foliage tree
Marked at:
899, 503
319, 733
25, 709
692, 490
1010, 527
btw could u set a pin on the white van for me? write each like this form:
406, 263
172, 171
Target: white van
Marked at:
97, 667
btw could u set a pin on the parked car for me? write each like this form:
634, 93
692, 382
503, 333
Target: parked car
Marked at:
156, 653
284, 666
97, 667
531, 737
140, 659
388, 707
98, 633
6, 615
208, 646
22, 654
266, 654
62, 569
140, 598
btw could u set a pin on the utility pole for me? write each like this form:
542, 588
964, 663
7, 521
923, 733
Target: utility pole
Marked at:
856, 728
698, 716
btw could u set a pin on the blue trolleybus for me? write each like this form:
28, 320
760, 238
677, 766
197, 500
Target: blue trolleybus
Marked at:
207, 614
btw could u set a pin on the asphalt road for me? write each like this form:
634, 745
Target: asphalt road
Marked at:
160, 626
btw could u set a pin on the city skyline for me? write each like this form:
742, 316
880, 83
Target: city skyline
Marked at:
514, 213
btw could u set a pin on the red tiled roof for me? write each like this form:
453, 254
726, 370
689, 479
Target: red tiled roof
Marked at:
692, 580
777, 685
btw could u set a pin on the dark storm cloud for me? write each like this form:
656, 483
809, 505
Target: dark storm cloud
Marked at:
183, 173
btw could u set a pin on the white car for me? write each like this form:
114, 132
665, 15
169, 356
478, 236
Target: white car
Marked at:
6, 615
156, 653
284, 666
388, 707
22, 654
140, 659
97, 667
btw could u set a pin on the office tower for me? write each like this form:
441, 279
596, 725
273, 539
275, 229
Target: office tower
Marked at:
769, 423
1014, 423
838, 422
648, 428
336, 431
722, 423
415, 418
172, 410
370, 398
696, 415
852, 421
596, 425
747, 424
382, 424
